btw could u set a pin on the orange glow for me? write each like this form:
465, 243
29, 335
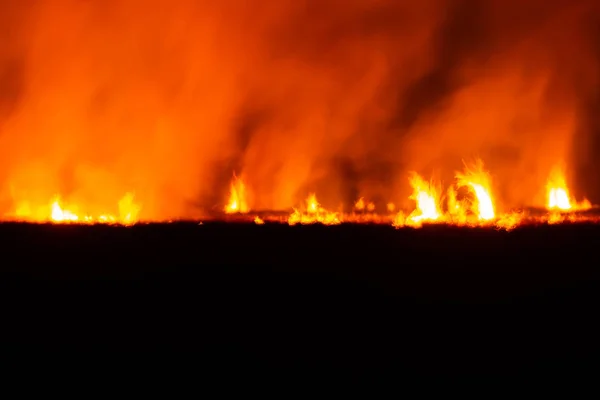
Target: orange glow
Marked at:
361, 205
165, 99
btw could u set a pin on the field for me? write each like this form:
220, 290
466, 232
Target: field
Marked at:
438, 298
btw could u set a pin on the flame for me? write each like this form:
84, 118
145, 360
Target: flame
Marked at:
457, 210
558, 196
128, 209
60, 215
162, 97
57, 212
477, 180
473, 206
428, 207
237, 198
509, 221
362, 205
313, 214
426, 196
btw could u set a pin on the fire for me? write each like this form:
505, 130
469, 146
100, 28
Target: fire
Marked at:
558, 196
361, 205
558, 193
426, 196
468, 201
60, 215
237, 198
163, 97
313, 214
128, 209
509, 221
478, 181
57, 212
457, 210
480, 204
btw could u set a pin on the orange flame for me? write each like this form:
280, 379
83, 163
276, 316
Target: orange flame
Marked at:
477, 180
237, 198
57, 212
558, 196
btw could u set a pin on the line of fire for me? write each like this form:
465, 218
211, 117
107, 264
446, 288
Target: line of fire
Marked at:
469, 202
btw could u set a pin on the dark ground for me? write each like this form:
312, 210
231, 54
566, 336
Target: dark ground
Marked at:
439, 299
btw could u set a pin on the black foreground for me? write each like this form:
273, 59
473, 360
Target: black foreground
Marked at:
434, 300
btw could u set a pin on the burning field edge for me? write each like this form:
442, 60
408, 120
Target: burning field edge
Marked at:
526, 218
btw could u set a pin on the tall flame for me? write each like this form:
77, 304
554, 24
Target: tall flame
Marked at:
558, 196
478, 181
237, 198
426, 197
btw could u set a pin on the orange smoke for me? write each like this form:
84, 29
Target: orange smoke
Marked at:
165, 99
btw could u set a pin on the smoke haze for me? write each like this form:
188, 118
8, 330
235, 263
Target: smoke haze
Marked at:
339, 97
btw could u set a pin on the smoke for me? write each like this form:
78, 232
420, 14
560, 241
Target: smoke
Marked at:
338, 97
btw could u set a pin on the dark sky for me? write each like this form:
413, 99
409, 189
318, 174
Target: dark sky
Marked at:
340, 97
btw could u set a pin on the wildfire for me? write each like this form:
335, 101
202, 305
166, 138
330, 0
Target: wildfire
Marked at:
468, 201
477, 180
57, 212
237, 198
426, 196
475, 207
558, 196
60, 215
313, 213
361, 205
